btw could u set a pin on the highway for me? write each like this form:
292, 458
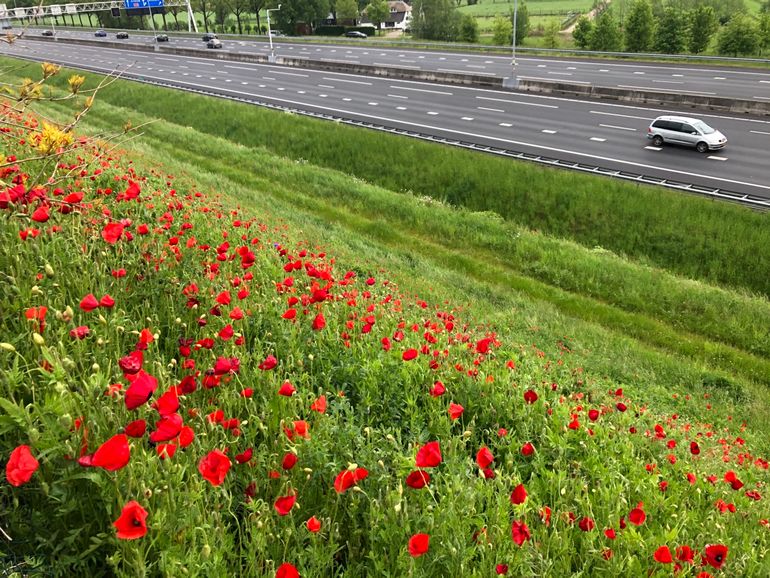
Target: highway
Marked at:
609, 135
733, 82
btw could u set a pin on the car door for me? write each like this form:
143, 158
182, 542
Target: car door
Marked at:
689, 134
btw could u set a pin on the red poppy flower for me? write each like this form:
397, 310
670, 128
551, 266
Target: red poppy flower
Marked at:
289, 314
593, 414
269, 363
214, 467
519, 532
89, 303
165, 451
501, 569
131, 363
284, 504
106, 302
754, 495
610, 533
167, 403
519, 495
319, 405
428, 456
80, 332
136, 429
287, 389
455, 410
319, 322
685, 554
289, 461
418, 479
530, 396
286, 570
21, 465
694, 448
112, 232
438, 389
484, 458
313, 524
131, 523
40, 215
418, 545
409, 354
140, 390
586, 524
715, 555
545, 515
637, 516
527, 449
167, 428
244, 456
112, 454
186, 436
663, 555
347, 479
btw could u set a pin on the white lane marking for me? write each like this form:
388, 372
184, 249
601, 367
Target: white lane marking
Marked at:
603, 70
346, 99
345, 80
322, 95
548, 131
244, 83
397, 87
597, 139
517, 102
201, 63
716, 158
670, 90
373, 103
398, 96
290, 73
761, 97
400, 108
759, 132
268, 78
465, 71
222, 72
282, 88
300, 92
620, 115
228, 80
764, 81
325, 86
572, 68
678, 75
670, 81
617, 127
638, 72
432, 113
719, 78
560, 73
506, 124
548, 79
649, 148
390, 65
490, 109
249, 68
167, 59
542, 65
471, 118
475, 66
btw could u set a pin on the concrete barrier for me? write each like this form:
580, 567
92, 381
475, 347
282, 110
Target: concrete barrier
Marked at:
671, 99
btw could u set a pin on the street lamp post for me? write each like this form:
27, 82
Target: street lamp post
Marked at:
515, 19
270, 31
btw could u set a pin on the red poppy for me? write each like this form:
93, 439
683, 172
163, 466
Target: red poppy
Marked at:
637, 516
694, 448
284, 504
140, 390
244, 456
112, 232
428, 456
269, 363
131, 523
610, 533
409, 354
501, 569
418, 545
530, 396
313, 524
287, 389
214, 467
347, 479
89, 303
186, 436
527, 449
455, 410
519, 532
21, 465
167, 403
131, 363
685, 554
167, 428
40, 215
112, 454
519, 495
106, 302
418, 479
319, 322
545, 515
438, 389
484, 458
165, 451
663, 555
715, 555
136, 428
593, 414
319, 405
586, 524
289, 461
80, 332
286, 570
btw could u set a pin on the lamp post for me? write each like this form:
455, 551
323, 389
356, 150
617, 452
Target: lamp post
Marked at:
515, 20
270, 31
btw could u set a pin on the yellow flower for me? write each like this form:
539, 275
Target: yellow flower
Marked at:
50, 69
29, 90
75, 82
51, 139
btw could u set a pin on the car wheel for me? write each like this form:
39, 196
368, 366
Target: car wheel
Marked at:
702, 147
657, 140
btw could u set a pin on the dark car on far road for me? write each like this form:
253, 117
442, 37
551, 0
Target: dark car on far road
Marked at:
47, 33
209, 36
161, 38
101, 33
355, 34
214, 43
122, 35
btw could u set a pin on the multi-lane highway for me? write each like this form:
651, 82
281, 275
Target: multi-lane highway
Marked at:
609, 135
732, 82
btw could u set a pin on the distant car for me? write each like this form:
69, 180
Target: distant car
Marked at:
47, 33
355, 34
276, 33
686, 131
209, 36
122, 35
214, 43
101, 33
161, 38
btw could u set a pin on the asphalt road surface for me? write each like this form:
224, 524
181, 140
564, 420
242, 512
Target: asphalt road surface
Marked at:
608, 135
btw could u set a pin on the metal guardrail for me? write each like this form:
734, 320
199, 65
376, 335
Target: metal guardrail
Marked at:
711, 192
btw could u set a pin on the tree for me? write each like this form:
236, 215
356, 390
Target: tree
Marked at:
764, 30
435, 19
703, 25
583, 32
256, 6
238, 9
640, 27
522, 22
293, 12
502, 31
469, 29
671, 37
347, 10
377, 12
206, 8
606, 34
551, 34
740, 36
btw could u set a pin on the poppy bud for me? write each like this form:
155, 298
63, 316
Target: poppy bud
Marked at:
7, 346
49, 270
38, 339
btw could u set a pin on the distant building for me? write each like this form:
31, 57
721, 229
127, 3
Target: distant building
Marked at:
400, 17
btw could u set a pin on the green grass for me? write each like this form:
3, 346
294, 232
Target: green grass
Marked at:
489, 8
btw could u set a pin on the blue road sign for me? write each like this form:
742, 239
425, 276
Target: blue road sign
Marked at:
134, 4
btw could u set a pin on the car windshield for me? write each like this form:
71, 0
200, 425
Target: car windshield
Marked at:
703, 127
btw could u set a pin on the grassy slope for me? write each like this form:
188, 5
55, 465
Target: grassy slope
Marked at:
351, 216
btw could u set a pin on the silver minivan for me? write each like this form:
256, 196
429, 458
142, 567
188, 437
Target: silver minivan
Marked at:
685, 131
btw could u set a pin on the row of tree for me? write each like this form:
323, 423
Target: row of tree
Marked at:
673, 29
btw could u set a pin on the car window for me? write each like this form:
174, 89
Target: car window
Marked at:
686, 128
704, 128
